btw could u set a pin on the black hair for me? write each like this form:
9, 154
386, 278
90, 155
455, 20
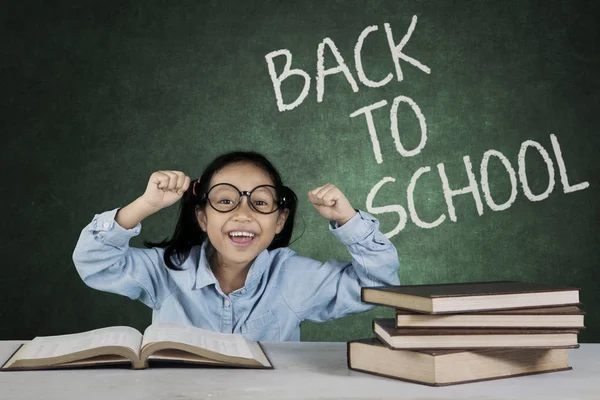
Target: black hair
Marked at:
188, 233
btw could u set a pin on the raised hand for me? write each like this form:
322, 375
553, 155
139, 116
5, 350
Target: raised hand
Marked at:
331, 203
165, 188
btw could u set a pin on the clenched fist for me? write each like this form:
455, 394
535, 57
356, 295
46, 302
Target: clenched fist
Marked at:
331, 203
165, 188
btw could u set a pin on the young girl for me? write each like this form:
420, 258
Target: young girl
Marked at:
227, 268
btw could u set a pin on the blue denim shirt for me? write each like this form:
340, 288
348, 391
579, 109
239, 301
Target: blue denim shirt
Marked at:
282, 288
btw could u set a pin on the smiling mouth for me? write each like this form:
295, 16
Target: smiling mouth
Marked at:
241, 238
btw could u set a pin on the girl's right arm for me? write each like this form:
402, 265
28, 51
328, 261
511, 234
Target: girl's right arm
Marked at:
103, 257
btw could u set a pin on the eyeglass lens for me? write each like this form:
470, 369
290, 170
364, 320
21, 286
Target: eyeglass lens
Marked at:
225, 198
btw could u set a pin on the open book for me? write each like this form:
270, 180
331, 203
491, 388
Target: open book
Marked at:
162, 342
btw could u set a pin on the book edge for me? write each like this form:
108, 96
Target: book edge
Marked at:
348, 361
10, 358
435, 353
462, 382
497, 312
470, 348
271, 366
473, 311
389, 325
557, 288
62, 365
225, 364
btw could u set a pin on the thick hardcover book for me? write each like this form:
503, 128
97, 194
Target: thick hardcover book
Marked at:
122, 345
471, 296
469, 338
548, 317
450, 367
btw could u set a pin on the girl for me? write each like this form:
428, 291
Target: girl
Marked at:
227, 268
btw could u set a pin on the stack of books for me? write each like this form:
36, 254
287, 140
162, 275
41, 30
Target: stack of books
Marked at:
457, 333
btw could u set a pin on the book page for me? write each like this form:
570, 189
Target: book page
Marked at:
225, 343
178, 356
55, 346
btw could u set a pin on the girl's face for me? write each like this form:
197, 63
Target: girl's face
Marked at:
239, 236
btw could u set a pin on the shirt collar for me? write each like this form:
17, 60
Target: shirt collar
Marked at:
205, 276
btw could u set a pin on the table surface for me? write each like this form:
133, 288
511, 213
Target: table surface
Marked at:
303, 370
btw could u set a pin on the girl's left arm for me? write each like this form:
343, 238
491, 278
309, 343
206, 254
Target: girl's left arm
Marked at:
320, 292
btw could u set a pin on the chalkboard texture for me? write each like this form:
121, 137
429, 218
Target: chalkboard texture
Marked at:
468, 128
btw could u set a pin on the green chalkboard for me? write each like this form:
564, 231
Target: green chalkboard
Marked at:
499, 98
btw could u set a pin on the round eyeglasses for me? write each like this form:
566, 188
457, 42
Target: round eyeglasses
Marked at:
225, 197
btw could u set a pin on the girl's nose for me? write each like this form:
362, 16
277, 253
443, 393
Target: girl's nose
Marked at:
243, 210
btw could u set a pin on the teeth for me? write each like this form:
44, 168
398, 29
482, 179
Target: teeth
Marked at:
249, 234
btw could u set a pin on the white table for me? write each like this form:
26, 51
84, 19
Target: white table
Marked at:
302, 371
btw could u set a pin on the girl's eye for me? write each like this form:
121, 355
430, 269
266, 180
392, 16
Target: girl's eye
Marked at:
261, 204
225, 201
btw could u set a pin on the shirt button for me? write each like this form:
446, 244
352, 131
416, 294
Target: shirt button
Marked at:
106, 225
227, 303
243, 291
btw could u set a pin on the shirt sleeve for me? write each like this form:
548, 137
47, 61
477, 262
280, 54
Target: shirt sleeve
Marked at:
320, 292
105, 262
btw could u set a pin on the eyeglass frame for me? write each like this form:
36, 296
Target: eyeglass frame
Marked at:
242, 194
